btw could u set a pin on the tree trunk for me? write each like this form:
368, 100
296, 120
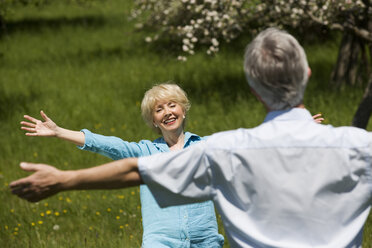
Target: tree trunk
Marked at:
354, 61
346, 67
364, 110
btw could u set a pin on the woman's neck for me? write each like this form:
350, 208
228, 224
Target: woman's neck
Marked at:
175, 140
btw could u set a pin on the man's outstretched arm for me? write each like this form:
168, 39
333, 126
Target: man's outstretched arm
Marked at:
47, 180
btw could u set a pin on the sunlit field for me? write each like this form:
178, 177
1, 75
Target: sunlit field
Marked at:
88, 67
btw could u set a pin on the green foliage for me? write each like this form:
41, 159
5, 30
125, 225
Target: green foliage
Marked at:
9, 7
87, 67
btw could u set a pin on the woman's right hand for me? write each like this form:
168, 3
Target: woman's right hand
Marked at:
37, 127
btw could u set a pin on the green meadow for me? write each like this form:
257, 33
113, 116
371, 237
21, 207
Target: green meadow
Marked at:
87, 66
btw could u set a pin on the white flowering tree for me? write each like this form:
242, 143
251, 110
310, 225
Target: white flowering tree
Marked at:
193, 23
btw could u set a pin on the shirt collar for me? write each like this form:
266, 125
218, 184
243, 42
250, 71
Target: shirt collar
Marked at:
189, 137
289, 114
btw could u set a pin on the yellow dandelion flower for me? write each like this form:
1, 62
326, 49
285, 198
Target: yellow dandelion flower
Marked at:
19, 224
131, 236
88, 196
118, 217
56, 213
121, 210
64, 211
91, 228
16, 229
98, 213
12, 210
132, 193
109, 210
126, 225
121, 227
6, 184
40, 222
68, 200
42, 214
46, 204
104, 197
112, 129
48, 212
33, 224
120, 196
60, 198
15, 233
6, 227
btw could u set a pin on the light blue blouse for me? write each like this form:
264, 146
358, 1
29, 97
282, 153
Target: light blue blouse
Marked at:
191, 225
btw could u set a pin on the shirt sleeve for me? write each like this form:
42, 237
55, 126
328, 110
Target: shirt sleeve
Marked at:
178, 177
110, 146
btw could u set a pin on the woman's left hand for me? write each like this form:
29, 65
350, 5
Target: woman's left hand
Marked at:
318, 118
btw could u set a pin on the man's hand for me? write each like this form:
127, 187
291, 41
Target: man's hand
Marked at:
36, 127
44, 182
47, 180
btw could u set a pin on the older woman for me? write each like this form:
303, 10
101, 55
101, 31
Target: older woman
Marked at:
164, 108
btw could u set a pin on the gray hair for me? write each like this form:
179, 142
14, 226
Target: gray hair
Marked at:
276, 68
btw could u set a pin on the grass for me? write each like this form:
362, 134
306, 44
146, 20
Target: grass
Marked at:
87, 67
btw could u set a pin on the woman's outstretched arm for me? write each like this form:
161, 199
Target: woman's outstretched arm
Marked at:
48, 128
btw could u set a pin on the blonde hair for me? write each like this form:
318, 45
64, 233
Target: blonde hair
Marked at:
166, 91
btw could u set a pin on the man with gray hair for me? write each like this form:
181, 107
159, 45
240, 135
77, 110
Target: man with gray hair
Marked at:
289, 182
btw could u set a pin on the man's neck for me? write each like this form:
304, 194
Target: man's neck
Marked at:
302, 106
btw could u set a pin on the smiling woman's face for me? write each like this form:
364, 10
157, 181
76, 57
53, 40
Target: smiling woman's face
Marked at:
168, 116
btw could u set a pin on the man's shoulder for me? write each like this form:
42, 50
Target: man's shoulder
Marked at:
354, 136
226, 138
290, 134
